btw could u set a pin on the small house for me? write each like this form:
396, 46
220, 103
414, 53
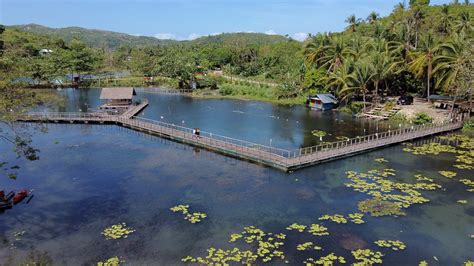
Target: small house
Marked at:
323, 102
117, 97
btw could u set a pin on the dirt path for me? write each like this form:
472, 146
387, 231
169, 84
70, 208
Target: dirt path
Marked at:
420, 106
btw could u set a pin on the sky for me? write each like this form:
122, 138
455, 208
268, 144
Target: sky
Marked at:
189, 19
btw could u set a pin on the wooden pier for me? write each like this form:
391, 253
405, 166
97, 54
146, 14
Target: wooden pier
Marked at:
285, 160
134, 109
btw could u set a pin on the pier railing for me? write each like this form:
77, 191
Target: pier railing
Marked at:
257, 152
209, 138
379, 139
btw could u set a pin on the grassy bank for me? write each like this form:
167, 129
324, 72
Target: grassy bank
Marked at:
247, 92
135, 81
241, 90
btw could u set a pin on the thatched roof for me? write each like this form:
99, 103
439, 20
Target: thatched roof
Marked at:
124, 93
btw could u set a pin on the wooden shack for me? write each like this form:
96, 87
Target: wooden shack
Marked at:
323, 102
117, 98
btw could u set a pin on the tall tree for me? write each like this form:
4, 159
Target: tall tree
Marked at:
362, 77
422, 60
353, 22
451, 65
373, 17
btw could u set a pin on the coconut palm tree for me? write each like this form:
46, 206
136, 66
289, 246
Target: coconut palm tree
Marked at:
451, 63
373, 17
464, 23
383, 65
332, 55
353, 22
422, 60
445, 20
315, 49
361, 78
341, 79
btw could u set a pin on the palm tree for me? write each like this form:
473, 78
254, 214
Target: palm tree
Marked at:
373, 17
445, 20
383, 65
451, 64
315, 49
361, 78
464, 23
422, 60
353, 22
332, 55
341, 79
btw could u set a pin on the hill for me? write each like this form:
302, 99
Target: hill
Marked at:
240, 38
92, 37
112, 40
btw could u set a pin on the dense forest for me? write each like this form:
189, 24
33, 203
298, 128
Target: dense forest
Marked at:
417, 49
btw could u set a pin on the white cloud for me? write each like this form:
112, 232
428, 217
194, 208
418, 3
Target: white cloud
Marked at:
172, 36
270, 32
193, 36
166, 36
300, 36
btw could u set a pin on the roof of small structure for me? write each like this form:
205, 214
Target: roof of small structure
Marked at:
124, 93
326, 98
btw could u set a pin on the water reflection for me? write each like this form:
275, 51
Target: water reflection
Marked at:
286, 127
92, 176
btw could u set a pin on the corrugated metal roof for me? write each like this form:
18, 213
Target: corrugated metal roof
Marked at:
124, 93
327, 98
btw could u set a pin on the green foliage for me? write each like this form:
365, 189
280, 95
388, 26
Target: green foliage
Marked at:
422, 118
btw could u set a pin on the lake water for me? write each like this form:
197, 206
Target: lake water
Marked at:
92, 176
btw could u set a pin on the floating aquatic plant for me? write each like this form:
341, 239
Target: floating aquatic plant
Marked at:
464, 166
468, 263
337, 218
381, 160
268, 246
424, 178
448, 174
224, 257
462, 201
318, 230
298, 227
431, 148
469, 183
388, 196
423, 263
326, 260
268, 243
356, 218
367, 256
193, 218
308, 246
319, 133
115, 261
393, 244
378, 207
117, 231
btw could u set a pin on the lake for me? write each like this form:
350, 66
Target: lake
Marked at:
90, 177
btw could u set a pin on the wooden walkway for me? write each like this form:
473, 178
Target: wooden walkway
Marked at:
135, 109
278, 158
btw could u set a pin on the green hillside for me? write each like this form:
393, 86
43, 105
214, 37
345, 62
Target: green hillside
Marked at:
240, 38
112, 40
92, 37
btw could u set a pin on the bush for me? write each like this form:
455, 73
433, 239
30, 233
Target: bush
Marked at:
422, 118
352, 108
399, 117
469, 124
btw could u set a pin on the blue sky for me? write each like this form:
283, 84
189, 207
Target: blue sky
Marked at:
188, 19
